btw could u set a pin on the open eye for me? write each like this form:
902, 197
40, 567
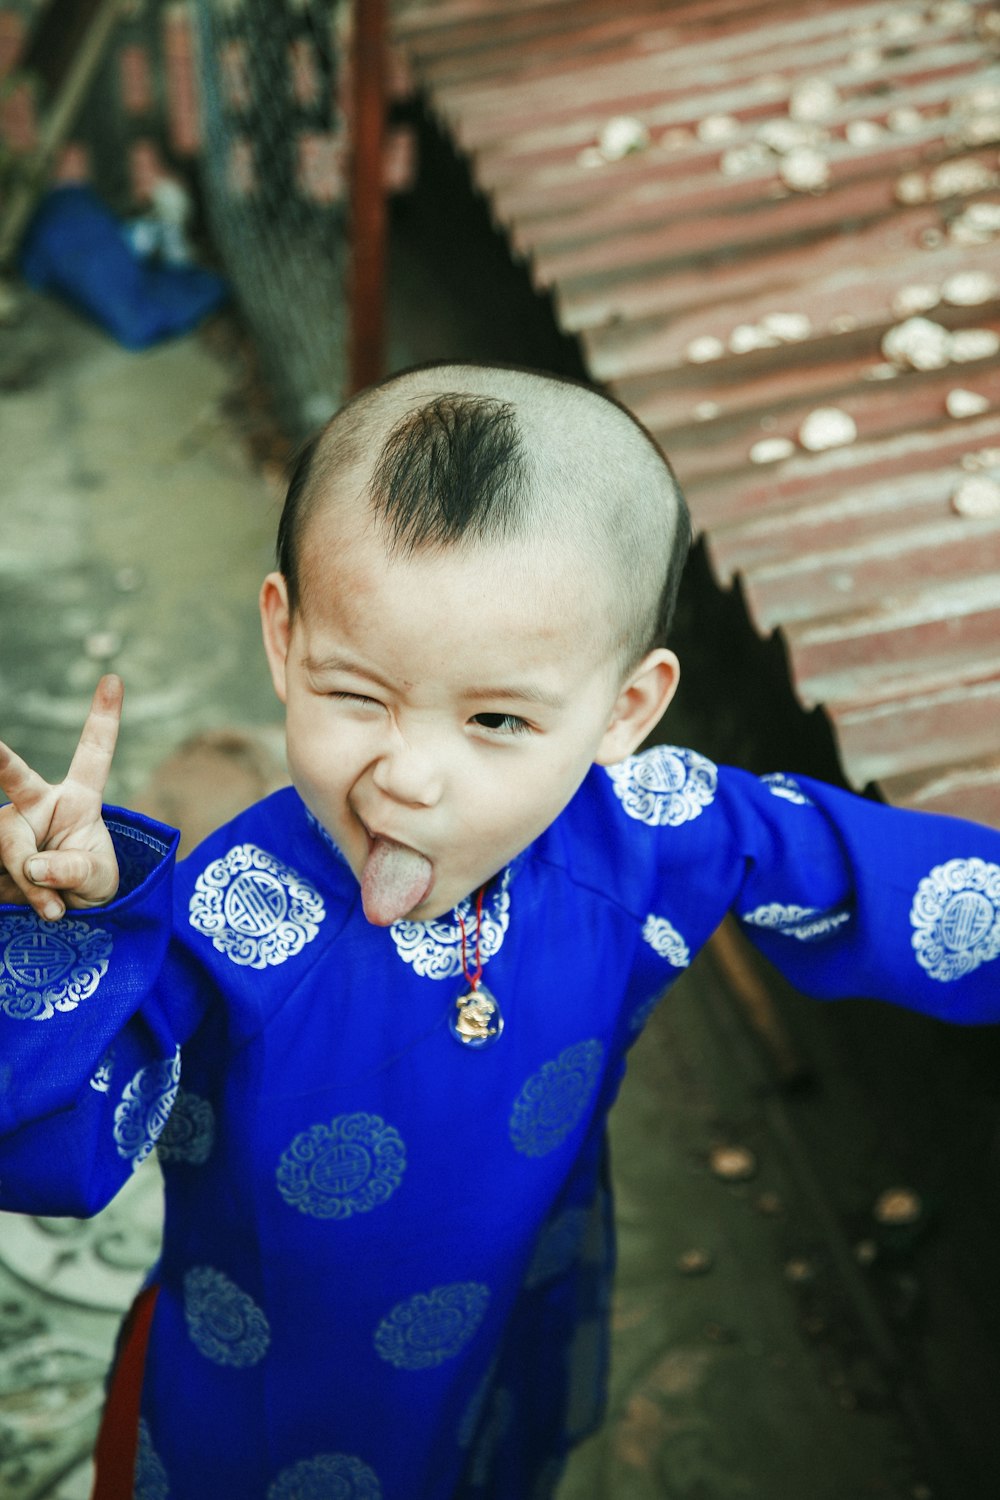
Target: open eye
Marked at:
502, 724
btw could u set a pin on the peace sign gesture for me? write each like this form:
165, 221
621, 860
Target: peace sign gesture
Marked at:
55, 850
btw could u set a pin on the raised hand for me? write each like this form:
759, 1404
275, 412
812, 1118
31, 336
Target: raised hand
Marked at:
55, 851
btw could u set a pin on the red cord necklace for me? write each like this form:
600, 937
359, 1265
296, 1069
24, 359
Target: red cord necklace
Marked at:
476, 1020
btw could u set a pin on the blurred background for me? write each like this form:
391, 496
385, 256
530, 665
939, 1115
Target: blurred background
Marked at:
772, 230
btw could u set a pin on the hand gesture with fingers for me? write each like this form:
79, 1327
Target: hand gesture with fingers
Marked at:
55, 851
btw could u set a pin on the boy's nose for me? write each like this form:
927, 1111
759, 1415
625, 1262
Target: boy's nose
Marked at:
408, 775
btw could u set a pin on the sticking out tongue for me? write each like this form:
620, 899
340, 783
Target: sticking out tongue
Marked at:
394, 880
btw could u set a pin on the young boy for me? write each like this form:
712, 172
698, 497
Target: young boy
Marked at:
405, 987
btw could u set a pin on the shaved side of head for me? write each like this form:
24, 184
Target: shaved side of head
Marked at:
456, 455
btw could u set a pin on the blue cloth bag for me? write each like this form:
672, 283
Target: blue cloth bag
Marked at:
76, 248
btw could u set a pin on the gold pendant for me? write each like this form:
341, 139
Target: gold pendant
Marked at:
476, 1020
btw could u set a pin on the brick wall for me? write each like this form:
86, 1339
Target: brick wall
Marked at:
142, 116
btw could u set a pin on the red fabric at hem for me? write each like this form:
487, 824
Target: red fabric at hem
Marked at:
118, 1439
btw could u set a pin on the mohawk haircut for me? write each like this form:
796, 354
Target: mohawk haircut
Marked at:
452, 469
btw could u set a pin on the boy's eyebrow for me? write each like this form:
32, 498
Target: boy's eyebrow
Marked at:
319, 665
517, 693
526, 692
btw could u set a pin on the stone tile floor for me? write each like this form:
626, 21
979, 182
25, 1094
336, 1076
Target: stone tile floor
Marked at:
135, 529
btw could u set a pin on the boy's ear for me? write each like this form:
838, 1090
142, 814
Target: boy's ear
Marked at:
641, 703
276, 622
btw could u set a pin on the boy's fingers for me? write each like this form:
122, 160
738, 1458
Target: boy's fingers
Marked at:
92, 760
65, 869
73, 870
10, 892
17, 852
18, 781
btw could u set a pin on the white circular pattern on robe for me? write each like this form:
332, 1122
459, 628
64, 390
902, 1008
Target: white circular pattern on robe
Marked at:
189, 1133
145, 1108
347, 1167
780, 785
433, 1326
225, 1324
956, 918
49, 966
256, 910
665, 785
554, 1099
101, 1081
328, 1476
559, 1246
434, 949
807, 923
150, 1481
664, 939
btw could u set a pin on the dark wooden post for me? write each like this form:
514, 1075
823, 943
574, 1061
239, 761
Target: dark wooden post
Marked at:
367, 229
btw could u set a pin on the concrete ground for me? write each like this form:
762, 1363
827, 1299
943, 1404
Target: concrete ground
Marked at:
748, 1364
134, 533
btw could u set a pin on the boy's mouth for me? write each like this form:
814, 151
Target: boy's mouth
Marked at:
394, 880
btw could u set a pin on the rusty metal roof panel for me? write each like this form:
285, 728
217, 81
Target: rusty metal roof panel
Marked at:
775, 228
973, 786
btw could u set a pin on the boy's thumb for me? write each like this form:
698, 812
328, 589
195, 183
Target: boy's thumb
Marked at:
67, 870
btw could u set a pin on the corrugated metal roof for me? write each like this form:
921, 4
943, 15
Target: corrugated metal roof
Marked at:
775, 229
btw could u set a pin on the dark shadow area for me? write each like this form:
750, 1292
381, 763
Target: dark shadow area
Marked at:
452, 277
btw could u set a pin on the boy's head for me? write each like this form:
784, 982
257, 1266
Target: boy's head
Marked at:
477, 571
456, 455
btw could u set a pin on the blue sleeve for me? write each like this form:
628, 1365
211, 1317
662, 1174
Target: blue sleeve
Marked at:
93, 1010
847, 897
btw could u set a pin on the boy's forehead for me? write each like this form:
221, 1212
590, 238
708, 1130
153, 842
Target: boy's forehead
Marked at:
343, 540
543, 592
517, 645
